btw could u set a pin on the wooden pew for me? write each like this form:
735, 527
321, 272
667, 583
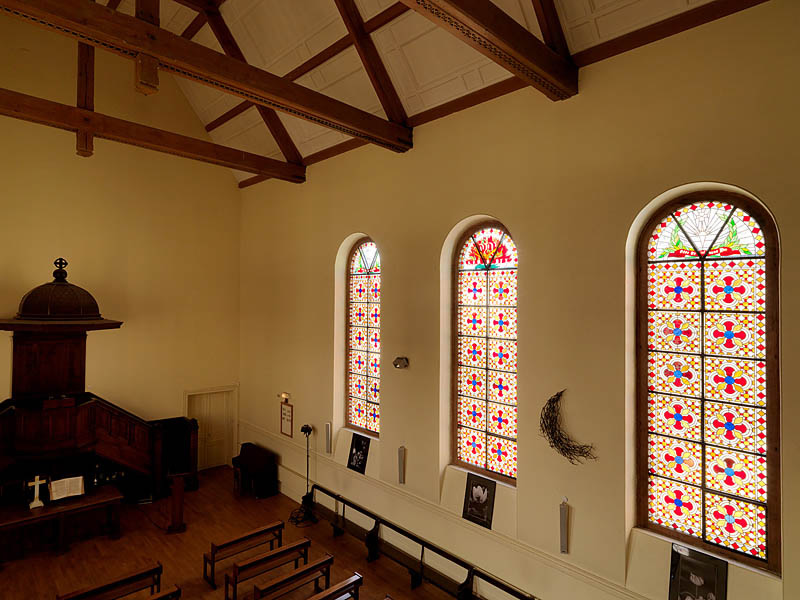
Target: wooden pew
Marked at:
148, 577
172, 594
247, 569
344, 589
269, 533
312, 572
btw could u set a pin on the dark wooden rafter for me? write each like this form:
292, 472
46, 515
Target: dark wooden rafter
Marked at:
550, 24
373, 64
70, 118
129, 37
490, 92
114, 4
489, 30
663, 29
85, 100
276, 127
146, 66
337, 47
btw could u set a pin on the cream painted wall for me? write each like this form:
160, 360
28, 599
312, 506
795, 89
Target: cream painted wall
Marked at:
717, 103
155, 238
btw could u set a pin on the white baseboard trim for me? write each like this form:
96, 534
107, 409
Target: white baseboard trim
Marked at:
293, 485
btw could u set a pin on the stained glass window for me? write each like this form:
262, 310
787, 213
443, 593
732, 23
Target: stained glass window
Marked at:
709, 409
486, 347
364, 338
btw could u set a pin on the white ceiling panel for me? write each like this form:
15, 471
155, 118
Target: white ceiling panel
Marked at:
588, 23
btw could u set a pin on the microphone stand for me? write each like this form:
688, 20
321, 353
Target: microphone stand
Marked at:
304, 516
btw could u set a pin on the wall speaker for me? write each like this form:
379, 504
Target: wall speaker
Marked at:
564, 525
328, 439
401, 464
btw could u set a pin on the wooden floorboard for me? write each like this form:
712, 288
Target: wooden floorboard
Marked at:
213, 513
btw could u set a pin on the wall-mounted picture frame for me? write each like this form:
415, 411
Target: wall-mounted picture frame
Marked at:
359, 452
696, 576
479, 500
287, 419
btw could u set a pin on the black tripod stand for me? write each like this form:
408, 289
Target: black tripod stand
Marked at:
304, 516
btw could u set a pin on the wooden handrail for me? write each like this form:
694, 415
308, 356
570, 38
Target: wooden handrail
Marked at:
465, 589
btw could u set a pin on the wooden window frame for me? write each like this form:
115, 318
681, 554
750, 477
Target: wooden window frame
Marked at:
772, 328
454, 460
356, 245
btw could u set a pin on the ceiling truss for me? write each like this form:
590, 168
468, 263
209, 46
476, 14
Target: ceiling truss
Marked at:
545, 65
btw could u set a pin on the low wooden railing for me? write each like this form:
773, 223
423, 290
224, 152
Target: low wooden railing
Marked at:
419, 571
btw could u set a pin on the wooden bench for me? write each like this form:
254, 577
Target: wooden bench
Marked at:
343, 590
172, 594
310, 573
262, 563
270, 533
148, 577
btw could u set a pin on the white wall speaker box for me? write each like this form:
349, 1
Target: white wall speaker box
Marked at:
328, 439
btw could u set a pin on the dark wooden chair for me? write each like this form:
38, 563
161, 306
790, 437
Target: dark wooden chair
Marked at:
148, 577
252, 567
344, 589
267, 534
310, 573
256, 470
172, 594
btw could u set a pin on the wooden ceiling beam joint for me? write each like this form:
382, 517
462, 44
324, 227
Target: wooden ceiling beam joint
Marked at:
550, 24
489, 30
61, 116
127, 36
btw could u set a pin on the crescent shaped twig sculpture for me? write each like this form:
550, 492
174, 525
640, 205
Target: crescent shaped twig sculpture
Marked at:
550, 424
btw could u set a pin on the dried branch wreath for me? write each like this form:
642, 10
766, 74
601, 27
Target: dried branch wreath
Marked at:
550, 424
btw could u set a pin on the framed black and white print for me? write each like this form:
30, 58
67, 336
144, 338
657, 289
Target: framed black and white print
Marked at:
479, 500
696, 576
359, 451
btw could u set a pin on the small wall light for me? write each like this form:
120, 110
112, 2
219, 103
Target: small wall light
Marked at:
401, 362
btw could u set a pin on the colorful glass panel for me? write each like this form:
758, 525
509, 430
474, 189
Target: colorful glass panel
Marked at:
363, 326
706, 374
675, 459
486, 344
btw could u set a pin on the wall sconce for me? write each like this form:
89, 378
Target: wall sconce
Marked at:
401, 362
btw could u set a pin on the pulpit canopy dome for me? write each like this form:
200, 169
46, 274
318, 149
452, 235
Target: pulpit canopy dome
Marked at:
58, 300
58, 306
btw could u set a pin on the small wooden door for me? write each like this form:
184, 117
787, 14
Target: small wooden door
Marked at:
214, 414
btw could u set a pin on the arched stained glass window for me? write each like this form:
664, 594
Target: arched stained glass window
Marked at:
708, 376
485, 405
364, 337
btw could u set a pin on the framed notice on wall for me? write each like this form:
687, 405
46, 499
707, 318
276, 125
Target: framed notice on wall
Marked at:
287, 419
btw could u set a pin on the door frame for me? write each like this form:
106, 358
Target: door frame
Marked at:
231, 410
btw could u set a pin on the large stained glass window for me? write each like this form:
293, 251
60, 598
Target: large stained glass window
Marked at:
486, 349
364, 338
709, 462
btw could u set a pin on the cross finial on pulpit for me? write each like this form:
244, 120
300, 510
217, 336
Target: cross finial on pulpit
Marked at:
35, 485
60, 274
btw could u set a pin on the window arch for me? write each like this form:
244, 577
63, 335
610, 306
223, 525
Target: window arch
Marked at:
708, 387
485, 346
364, 337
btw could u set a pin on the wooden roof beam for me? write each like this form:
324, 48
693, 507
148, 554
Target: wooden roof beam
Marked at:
550, 24
276, 127
128, 36
489, 30
337, 47
61, 116
373, 64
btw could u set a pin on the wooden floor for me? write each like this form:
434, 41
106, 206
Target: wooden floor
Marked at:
211, 513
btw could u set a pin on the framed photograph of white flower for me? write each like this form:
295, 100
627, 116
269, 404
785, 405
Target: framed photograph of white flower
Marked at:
479, 500
697, 576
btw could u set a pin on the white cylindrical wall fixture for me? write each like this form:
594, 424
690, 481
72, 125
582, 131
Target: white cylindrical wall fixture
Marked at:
401, 464
328, 439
